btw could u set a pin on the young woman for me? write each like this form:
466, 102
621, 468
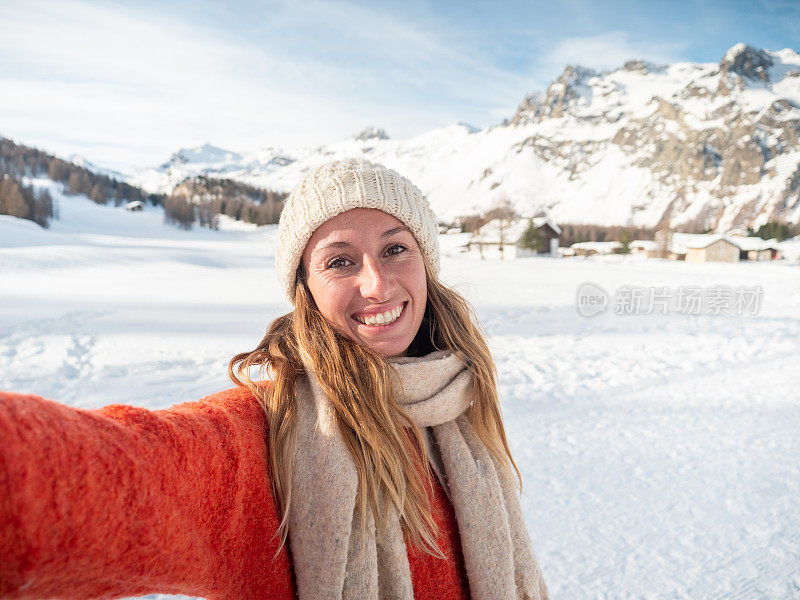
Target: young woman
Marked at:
371, 463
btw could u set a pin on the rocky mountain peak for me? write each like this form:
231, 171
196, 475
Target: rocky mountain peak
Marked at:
576, 74
644, 67
371, 133
569, 88
566, 90
527, 111
205, 154
748, 62
468, 127
636, 66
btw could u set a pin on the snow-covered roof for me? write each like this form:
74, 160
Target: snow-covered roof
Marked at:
134, 204
539, 221
681, 242
753, 243
736, 233
599, 247
706, 241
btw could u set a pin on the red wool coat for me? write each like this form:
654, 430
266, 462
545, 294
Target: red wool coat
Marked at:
125, 501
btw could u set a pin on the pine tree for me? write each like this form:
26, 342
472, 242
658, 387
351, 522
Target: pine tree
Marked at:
98, 195
12, 199
625, 239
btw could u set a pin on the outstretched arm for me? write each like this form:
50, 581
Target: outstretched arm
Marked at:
125, 501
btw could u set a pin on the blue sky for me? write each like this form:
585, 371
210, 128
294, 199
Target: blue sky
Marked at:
126, 83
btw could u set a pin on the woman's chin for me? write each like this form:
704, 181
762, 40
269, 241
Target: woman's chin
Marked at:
388, 348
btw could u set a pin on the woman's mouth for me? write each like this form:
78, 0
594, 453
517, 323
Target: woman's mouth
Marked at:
381, 319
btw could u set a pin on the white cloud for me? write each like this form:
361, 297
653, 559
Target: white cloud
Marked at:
605, 51
133, 83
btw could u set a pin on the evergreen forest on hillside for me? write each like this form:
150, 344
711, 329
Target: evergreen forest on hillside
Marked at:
195, 200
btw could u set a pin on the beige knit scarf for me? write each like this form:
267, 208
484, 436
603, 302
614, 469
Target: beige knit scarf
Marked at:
332, 560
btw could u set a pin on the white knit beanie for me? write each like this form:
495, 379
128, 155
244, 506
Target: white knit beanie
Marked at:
340, 186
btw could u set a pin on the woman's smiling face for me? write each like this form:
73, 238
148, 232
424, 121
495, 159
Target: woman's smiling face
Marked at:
366, 274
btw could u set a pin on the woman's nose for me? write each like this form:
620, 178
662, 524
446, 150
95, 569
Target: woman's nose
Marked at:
374, 281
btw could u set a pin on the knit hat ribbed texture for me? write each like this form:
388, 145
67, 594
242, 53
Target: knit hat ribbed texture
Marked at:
342, 185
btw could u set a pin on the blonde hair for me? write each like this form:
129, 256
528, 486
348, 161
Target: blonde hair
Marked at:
384, 443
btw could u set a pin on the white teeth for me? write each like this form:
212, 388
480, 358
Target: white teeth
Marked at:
383, 318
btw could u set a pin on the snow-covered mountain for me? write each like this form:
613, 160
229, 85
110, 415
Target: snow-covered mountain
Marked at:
713, 145
85, 163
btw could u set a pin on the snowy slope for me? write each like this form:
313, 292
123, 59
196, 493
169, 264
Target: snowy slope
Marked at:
659, 453
710, 145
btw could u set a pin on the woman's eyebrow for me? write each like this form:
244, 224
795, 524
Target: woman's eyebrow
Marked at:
394, 230
385, 234
336, 245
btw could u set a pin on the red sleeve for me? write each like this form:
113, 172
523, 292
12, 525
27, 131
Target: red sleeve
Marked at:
124, 501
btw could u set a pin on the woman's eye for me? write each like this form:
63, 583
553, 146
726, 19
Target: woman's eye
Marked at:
337, 263
395, 249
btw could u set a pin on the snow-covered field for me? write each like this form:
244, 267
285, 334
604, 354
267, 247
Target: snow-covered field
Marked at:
660, 453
